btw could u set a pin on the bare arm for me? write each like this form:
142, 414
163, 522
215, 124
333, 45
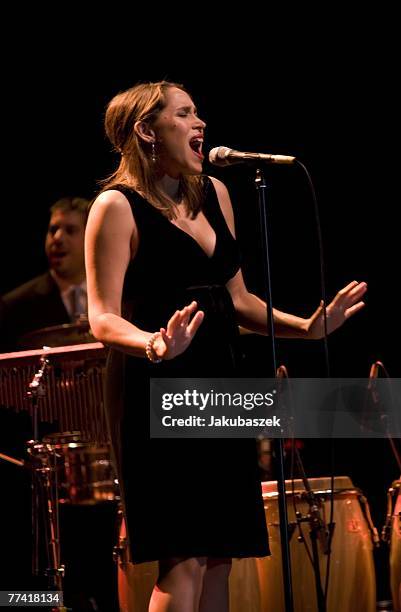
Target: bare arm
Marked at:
111, 240
251, 310
111, 233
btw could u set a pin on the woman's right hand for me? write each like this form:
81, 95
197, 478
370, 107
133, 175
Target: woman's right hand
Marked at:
179, 333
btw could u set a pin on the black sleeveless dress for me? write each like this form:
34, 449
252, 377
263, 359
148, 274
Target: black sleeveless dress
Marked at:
182, 497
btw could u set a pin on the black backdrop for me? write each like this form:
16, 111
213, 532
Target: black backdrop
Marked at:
336, 114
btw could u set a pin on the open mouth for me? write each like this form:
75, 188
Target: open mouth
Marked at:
196, 146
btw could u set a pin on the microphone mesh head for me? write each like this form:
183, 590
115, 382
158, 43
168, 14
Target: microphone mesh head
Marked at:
213, 154
218, 156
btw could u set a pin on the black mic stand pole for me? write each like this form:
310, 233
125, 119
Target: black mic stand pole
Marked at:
261, 188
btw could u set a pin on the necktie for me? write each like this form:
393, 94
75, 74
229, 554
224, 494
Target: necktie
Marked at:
78, 302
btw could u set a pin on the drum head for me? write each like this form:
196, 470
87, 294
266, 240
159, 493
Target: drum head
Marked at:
85, 474
318, 485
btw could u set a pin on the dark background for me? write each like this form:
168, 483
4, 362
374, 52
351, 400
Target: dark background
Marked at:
335, 111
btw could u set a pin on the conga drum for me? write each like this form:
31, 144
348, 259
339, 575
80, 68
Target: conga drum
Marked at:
395, 545
135, 581
256, 584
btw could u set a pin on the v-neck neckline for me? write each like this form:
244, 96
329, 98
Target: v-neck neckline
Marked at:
194, 239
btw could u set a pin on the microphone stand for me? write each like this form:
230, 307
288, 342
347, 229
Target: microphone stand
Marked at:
261, 188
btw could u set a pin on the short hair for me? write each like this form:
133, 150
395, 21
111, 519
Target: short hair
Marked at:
69, 204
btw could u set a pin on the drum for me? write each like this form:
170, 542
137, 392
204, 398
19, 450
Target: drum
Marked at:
395, 544
256, 584
84, 471
135, 581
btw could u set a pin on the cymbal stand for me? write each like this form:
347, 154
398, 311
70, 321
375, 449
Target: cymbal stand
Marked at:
44, 489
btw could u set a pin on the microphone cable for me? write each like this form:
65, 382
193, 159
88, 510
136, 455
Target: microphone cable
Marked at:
327, 361
322, 266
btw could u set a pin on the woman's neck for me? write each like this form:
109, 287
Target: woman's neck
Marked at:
171, 187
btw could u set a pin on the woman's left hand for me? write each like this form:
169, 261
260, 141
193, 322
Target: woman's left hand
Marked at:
346, 303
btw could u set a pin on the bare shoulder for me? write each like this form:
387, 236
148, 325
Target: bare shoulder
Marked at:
111, 201
219, 186
225, 202
111, 211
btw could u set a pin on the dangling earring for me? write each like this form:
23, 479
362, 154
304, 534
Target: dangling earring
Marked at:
153, 156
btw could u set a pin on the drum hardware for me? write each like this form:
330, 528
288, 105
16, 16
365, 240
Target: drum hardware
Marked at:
65, 390
292, 525
317, 524
120, 550
319, 530
44, 487
391, 535
366, 512
392, 494
36, 390
44, 490
386, 530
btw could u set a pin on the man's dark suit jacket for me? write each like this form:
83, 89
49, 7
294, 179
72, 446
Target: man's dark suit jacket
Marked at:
34, 305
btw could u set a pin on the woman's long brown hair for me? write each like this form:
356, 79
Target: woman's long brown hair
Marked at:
144, 102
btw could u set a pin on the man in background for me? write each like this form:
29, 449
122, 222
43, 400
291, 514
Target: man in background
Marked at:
59, 295
51, 300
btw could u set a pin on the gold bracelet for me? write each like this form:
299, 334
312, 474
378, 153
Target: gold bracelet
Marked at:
150, 351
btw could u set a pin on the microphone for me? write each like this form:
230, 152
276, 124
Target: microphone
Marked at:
223, 156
